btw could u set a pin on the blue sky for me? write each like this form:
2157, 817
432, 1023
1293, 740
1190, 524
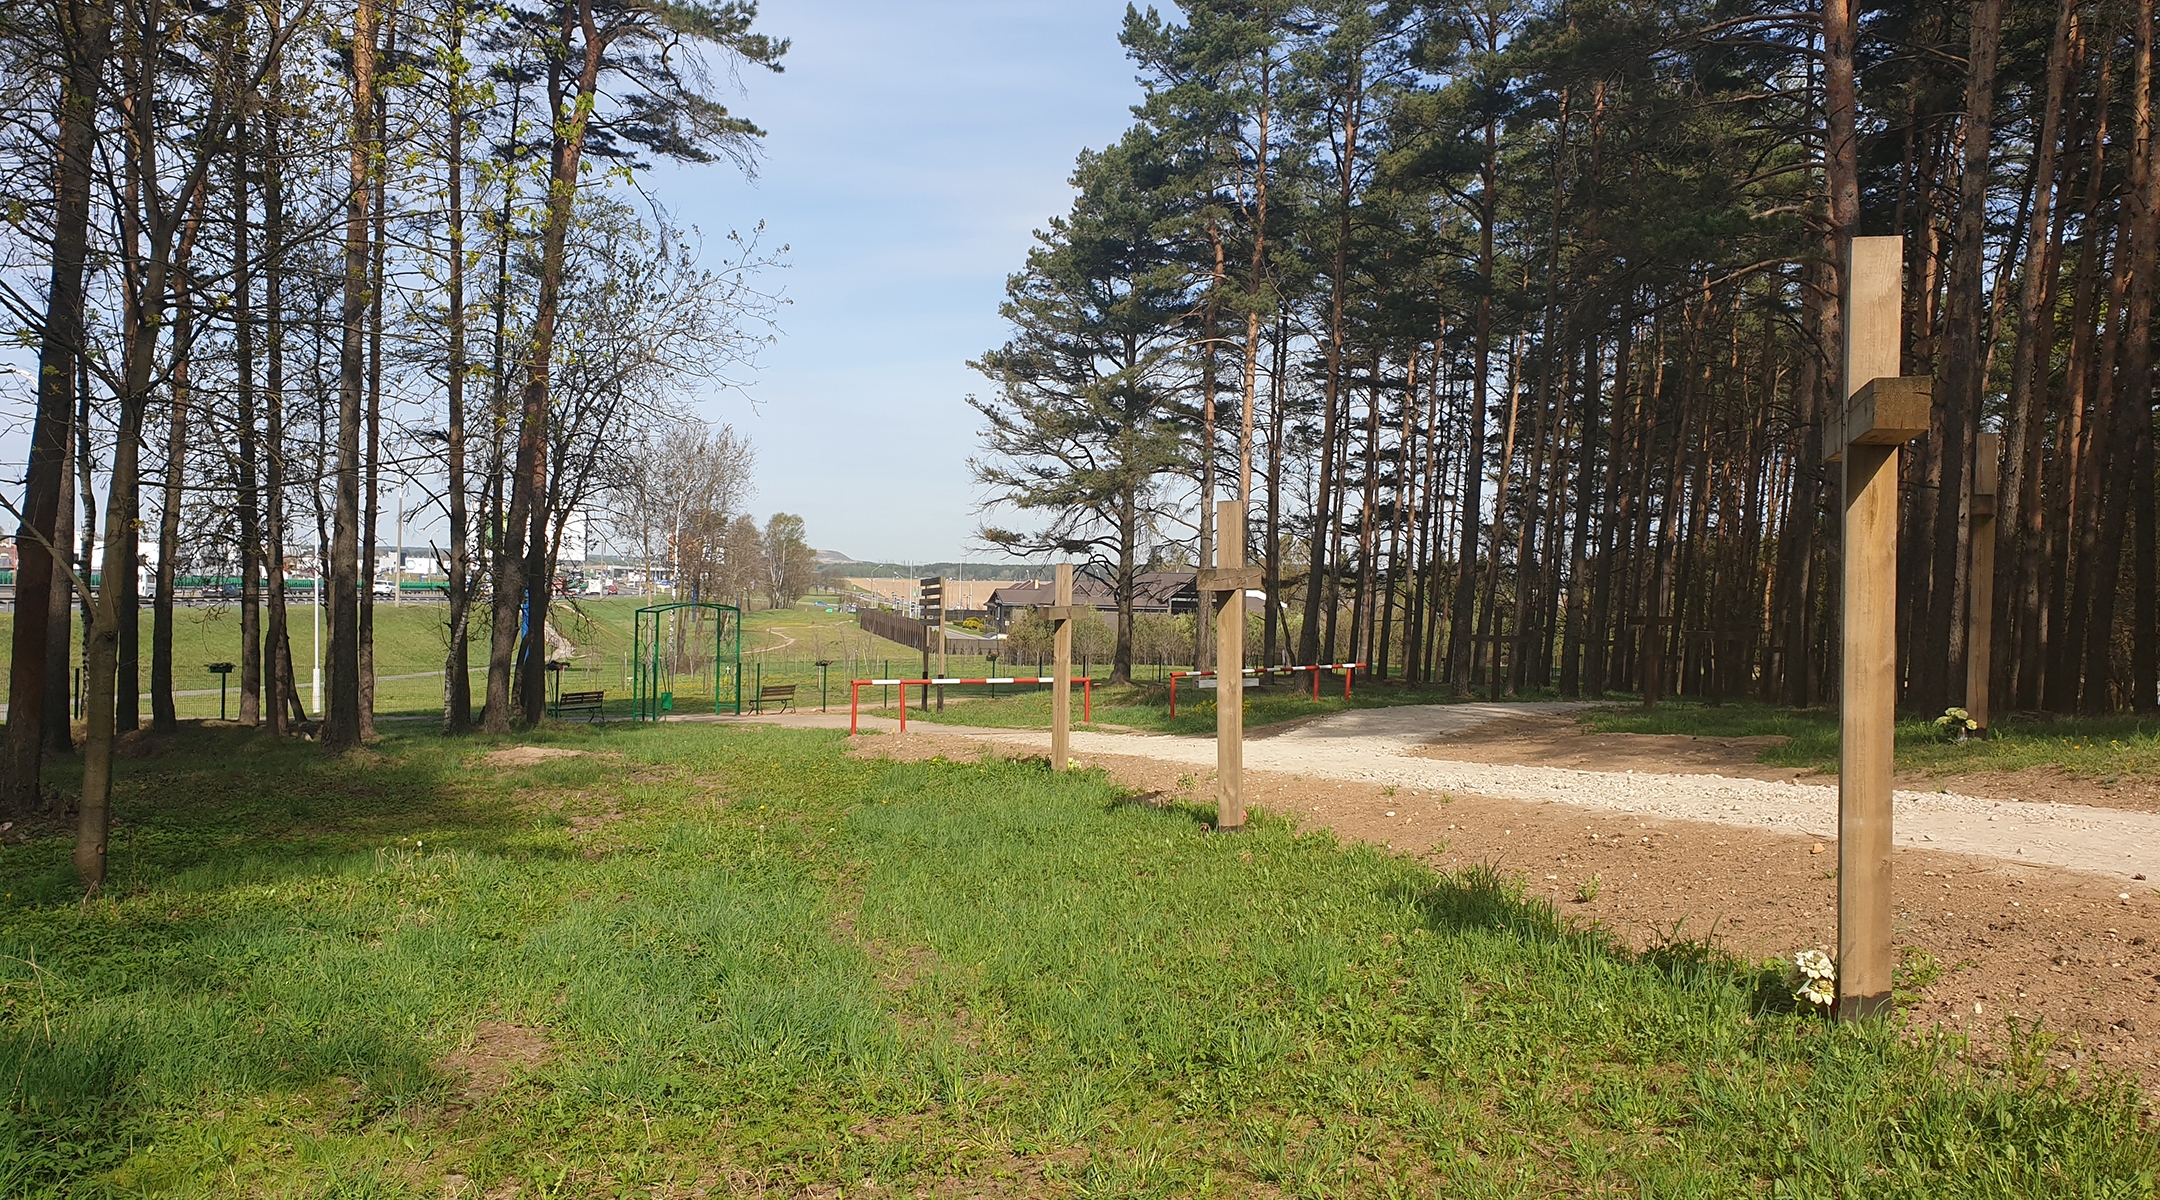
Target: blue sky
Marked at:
911, 151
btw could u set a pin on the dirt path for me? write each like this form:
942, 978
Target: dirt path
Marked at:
1559, 740
784, 642
1402, 748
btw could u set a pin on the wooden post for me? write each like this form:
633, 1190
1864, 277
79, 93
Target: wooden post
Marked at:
1225, 588
927, 596
1980, 620
1061, 674
1882, 412
942, 592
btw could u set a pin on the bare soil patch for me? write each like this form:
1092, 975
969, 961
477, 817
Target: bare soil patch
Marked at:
498, 1051
526, 756
1546, 740
1996, 942
2038, 785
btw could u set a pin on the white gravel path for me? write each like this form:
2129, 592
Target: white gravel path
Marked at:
1373, 746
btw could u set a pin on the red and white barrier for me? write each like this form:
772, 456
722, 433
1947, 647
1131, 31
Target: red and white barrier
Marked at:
1349, 671
855, 687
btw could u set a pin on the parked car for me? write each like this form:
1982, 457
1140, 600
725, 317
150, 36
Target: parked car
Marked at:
385, 589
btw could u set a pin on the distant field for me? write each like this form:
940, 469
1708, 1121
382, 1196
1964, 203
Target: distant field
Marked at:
412, 640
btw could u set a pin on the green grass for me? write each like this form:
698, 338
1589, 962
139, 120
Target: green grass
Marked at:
1145, 705
762, 964
2103, 748
410, 639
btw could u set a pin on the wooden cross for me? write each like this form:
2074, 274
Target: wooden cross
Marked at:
1980, 618
1882, 412
1060, 616
1225, 587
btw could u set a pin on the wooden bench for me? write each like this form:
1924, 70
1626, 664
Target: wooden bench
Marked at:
782, 694
592, 703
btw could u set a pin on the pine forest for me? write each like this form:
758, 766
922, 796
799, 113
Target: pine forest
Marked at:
1516, 327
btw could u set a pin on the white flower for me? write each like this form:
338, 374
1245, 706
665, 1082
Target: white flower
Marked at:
1816, 973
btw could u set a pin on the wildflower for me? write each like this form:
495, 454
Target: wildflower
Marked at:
1819, 992
1816, 975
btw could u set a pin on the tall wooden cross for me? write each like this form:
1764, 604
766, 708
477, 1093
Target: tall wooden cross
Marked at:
1060, 615
1882, 412
1224, 587
1980, 619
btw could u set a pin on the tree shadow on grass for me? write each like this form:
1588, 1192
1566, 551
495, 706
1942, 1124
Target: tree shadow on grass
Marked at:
1480, 899
226, 794
1168, 804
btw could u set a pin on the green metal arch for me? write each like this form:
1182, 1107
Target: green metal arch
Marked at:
648, 699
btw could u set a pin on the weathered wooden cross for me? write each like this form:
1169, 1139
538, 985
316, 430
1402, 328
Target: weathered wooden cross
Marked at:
1980, 621
1224, 587
1882, 412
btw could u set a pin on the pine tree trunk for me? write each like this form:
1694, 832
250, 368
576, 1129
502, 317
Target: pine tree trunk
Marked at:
164, 717
525, 584
247, 500
1339, 285
33, 721
2063, 643
2133, 448
2018, 609
343, 723
1964, 374
281, 691
1460, 648
457, 672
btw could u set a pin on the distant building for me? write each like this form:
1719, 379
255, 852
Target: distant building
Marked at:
1168, 592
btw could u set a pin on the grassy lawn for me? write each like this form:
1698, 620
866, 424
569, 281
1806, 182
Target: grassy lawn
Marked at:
410, 639
2103, 748
736, 959
1145, 705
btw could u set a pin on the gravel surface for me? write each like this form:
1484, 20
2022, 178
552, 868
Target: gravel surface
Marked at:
1372, 746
